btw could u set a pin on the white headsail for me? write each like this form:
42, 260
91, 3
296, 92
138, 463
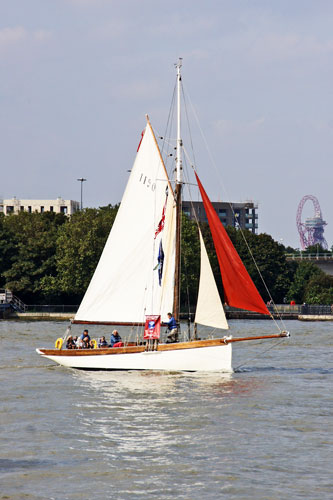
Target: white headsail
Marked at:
209, 310
125, 285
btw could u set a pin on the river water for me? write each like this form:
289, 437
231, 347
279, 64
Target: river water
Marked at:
264, 432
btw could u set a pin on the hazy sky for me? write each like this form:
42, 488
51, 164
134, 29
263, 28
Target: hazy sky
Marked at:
78, 76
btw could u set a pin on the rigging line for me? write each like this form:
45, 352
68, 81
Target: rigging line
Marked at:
171, 111
188, 121
264, 283
185, 174
188, 156
187, 286
169, 126
231, 207
259, 354
188, 184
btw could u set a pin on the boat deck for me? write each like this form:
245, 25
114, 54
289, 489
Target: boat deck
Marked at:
133, 348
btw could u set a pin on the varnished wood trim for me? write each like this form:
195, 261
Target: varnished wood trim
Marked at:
116, 323
130, 349
191, 345
260, 337
92, 352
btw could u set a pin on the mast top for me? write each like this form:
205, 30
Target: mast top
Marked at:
179, 64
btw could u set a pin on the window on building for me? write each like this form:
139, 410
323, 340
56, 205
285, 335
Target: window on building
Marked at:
222, 212
51, 209
21, 208
9, 209
29, 209
41, 210
63, 209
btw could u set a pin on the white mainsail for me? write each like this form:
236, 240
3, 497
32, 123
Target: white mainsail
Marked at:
125, 287
209, 310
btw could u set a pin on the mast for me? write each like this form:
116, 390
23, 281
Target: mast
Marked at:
178, 196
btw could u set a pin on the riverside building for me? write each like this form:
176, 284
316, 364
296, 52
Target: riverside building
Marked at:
244, 215
59, 206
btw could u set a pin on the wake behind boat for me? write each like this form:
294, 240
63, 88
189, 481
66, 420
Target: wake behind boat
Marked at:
137, 280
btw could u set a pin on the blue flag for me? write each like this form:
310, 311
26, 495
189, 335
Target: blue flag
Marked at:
160, 260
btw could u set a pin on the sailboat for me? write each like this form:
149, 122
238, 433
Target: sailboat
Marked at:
136, 282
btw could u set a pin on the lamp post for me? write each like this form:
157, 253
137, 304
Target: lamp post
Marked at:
82, 181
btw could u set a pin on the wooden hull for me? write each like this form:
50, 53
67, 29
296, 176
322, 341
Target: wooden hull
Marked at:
204, 355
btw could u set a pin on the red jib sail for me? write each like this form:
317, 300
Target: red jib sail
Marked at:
239, 289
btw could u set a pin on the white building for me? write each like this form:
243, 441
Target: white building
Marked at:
59, 206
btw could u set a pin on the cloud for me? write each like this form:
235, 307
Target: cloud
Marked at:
12, 36
18, 36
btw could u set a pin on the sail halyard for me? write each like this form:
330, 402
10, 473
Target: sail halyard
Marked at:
125, 285
239, 289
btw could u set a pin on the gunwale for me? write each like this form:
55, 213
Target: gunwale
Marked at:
131, 349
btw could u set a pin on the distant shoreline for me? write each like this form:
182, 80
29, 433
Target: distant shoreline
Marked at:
230, 315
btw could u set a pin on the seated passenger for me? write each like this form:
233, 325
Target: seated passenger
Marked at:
102, 342
79, 343
85, 334
86, 342
115, 340
70, 344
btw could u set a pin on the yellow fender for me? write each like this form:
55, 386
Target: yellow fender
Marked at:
94, 343
58, 343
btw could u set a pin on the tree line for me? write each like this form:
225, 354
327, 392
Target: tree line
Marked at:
48, 258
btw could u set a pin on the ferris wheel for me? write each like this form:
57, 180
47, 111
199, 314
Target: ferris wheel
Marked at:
311, 232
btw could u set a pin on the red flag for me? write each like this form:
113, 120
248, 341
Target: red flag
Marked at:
160, 226
152, 327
